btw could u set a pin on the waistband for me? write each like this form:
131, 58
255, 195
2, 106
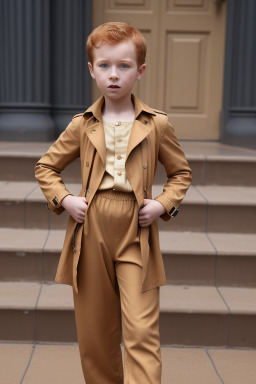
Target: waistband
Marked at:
116, 195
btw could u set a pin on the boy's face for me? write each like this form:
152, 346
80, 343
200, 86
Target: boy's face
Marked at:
115, 69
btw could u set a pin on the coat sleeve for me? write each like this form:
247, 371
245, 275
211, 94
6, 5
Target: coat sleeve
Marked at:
48, 169
177, 170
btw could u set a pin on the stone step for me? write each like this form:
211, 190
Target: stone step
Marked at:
52, 363
204, 209
189, 315
190, 258
211, 162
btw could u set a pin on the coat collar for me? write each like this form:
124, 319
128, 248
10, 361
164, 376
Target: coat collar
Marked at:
95, 131
95, 108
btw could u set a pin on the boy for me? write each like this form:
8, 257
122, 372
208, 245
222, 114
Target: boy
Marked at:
111, 254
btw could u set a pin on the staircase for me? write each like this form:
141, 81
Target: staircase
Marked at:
209, 251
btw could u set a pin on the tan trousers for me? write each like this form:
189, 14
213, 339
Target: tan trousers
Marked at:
109, 283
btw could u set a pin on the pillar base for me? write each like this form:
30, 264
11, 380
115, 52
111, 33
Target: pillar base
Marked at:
240, 131
63, 116
26, 124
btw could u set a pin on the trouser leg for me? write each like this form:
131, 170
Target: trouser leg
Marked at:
140, 323
97, 312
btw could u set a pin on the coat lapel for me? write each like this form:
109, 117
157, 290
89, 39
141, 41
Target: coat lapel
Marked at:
138, 133
96, 135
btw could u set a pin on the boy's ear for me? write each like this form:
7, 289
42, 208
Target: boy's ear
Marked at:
141, 71
90, 66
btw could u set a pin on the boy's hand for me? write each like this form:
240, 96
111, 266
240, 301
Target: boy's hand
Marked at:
152, 209
76, 207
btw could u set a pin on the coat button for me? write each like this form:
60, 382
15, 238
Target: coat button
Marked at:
119, 157
145, 165
145, 121
93, 131
87, 164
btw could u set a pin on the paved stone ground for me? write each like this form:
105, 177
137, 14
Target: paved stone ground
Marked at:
26, 363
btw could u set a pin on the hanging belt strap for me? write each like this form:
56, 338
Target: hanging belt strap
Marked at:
145, 165
86, 192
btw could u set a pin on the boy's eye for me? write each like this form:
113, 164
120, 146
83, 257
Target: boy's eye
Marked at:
124, 66
103, 65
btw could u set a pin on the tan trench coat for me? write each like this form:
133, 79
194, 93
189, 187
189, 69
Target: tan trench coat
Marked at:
151, 139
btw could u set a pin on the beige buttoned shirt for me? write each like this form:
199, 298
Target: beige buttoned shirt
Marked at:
117, 135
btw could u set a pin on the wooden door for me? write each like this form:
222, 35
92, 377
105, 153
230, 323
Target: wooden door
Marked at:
185, 59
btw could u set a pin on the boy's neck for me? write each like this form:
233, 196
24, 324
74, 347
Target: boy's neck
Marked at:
122, 109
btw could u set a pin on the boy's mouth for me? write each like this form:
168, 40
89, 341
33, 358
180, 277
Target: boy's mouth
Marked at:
113, 86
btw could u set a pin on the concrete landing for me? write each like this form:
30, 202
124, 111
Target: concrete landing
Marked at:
23, 363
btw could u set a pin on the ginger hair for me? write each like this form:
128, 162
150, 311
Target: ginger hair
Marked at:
113, 33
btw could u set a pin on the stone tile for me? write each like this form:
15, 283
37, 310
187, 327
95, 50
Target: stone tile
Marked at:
193, 269
36, 195
74, 188
236, 260
234, 244
22, 240
187, 366
18, 296
211, 148
17, 305
189, 258
230, 218
55, 364
11, 190
20, 266
235, 366
55, 241
228, 195
55, 316
13, 362
189, 314
242, 304
37, 215
59, 221
56, 296
230, 171
26, 148
12, 214
25, 171
191, 299
240, 300
185, 242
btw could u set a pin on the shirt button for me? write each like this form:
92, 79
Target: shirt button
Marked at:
93, 131
119, 157
119, 140
119, 173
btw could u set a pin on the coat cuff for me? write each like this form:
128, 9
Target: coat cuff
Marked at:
171, 209
55, 204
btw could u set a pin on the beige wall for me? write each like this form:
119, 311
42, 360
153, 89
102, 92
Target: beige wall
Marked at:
185, 59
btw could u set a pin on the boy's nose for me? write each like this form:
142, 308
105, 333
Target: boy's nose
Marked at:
114, 75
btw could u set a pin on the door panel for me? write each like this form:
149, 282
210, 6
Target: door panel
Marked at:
185, 59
